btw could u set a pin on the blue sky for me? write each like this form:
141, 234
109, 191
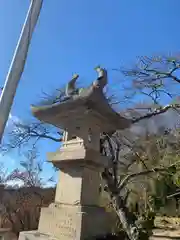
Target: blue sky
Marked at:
75, 36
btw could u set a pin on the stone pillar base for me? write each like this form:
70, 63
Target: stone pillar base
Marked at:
35, 235
70, 222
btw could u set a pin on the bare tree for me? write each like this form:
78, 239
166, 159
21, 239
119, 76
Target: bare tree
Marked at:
158, 157
20, 207
31, 175
156, 79
25, 135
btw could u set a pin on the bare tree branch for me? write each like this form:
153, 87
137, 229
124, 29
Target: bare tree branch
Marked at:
133, 175
157, 112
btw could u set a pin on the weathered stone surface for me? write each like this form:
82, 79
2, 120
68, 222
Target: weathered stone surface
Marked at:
67, 222
35, 235
79, 185
77, 157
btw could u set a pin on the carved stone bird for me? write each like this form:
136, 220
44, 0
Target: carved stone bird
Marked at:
102, 77
71, 87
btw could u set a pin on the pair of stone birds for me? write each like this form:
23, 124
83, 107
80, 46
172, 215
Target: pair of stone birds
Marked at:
101, 81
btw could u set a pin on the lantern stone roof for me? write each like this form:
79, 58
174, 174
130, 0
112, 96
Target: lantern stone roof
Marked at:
88, 106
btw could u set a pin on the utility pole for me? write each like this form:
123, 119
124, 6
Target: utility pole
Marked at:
18, 62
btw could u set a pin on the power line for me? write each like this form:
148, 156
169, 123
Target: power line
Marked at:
18, 62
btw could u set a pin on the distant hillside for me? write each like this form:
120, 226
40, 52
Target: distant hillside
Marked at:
20, 208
